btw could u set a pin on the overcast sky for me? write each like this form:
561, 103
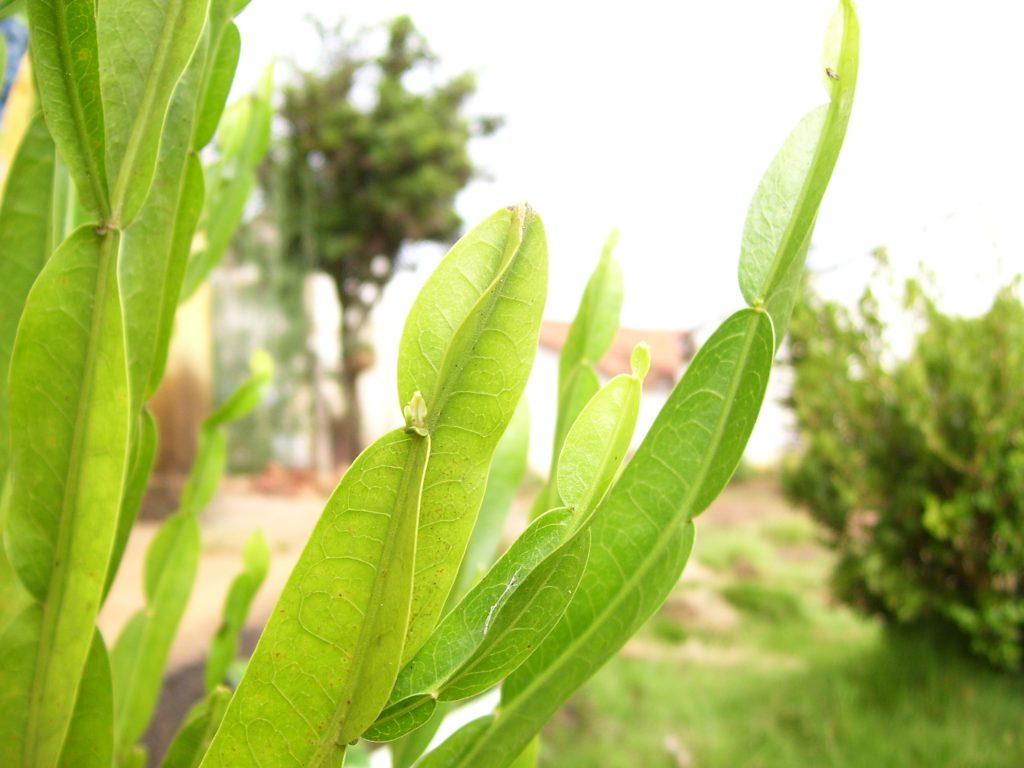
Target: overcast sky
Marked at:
659, 118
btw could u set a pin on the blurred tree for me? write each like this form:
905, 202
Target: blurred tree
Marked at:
369, 163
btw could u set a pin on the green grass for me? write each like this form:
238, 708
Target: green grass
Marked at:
798, 681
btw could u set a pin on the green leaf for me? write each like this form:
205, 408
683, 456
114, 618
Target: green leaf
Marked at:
143, 458
581, 386
461, 633
13, 596
25, 217
70, 416
8, 8
19, 646
590, 336
90, 742
525, 619
196, 733
599, 439
211, 455
219, 76
468, 346
243, 141
156, 246
65, 58
784, 208
454, 749
144, 47
506, 475
140, 654
597, 318
207, 470
236, 609
407, 750
402, 718
528, 757
642, 532
135, 757
329, 656
249, 395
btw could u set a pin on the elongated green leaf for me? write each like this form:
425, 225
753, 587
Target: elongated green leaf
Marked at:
597, 318
599, 439
454, 749
19, 646
192, 741
468, 346
506, 475
69, 448
13, 596
65, 57
785, 206
460, 634
329, 656
144, 47
90, 742
243, 141
523, 621
212, 453
156, 246
25, 217
407, 750
641, 533
143, 458
236, 609
135, 757
582, 385
219, 76
140, 655
590, 335
402, 718
244, 400
528, 757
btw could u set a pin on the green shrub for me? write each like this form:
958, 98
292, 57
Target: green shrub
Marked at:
917, 464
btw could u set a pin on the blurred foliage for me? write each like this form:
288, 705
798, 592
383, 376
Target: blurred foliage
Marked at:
791, 679
369, 162
916, 464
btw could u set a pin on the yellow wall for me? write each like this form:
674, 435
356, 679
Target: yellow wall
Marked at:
20, 105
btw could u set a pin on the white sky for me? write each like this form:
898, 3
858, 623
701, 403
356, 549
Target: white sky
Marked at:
659, 118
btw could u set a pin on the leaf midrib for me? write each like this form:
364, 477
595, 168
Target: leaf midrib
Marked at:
53, 606
833, 119
492, 641
409, 491
125, 169
94, 172
640, 573
483, 310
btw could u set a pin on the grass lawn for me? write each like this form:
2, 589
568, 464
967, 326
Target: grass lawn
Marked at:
751, 664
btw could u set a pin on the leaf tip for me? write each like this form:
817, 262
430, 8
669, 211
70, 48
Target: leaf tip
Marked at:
640, 360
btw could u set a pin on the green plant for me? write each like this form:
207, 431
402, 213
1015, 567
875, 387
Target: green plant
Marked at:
97, 223
916, 465
354, 183
359, 644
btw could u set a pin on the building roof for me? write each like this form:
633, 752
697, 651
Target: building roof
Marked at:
670, 351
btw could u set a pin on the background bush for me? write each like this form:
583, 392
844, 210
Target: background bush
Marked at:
916, 463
